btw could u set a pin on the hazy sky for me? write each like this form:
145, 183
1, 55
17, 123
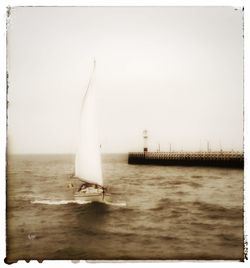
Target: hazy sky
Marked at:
175, 71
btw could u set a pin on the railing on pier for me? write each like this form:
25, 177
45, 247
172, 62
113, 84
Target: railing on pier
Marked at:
221, 158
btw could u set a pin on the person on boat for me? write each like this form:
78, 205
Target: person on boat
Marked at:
70, 185
82, 187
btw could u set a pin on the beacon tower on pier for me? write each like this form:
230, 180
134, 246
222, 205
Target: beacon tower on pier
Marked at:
145, 138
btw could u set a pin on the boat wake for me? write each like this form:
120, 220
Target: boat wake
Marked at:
59, 202
116, 204
65, 202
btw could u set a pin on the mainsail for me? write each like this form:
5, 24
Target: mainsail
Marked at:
88, 158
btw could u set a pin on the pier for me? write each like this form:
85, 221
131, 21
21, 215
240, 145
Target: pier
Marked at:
213, 159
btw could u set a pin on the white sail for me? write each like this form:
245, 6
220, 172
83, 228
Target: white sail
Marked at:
88, 158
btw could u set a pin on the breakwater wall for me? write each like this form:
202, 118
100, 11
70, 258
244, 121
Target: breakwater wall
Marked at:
216, 159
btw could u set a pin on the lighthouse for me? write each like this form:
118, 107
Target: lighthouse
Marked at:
145, 139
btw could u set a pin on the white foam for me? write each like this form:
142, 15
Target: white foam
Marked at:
118, 204
59, 202
64, 202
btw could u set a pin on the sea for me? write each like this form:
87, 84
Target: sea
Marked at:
157, 213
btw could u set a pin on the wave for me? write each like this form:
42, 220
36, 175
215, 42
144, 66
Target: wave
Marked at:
65, 202
231, 239
184, 182
116, 204
59, 202
215, 211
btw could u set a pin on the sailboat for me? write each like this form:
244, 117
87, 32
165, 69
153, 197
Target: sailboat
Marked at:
88, 167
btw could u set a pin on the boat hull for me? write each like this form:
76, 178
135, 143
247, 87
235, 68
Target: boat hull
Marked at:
92, 197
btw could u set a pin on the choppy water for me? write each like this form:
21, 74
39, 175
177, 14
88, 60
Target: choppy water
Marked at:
171, 212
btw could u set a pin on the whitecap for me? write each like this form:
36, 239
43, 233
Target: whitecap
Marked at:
59, 202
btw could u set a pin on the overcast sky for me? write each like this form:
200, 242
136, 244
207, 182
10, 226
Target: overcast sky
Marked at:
175, 71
